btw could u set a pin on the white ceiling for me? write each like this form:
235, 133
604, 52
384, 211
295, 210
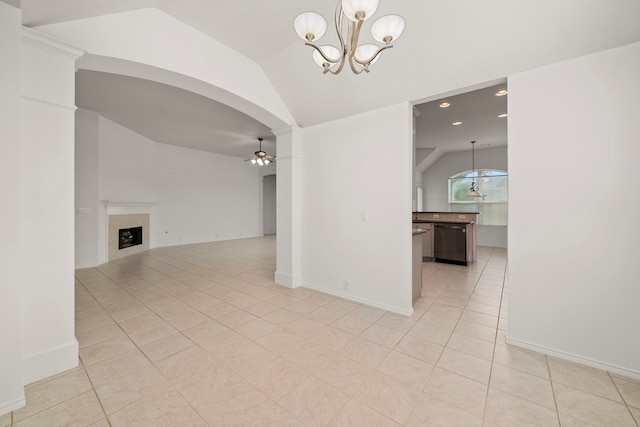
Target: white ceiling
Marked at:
478, 113
447, 45
171, 115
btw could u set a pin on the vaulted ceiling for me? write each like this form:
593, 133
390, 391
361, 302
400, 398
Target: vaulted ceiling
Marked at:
448, 47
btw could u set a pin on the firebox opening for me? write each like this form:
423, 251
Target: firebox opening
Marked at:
128, 237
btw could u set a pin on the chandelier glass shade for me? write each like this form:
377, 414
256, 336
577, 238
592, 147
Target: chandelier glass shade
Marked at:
311, 26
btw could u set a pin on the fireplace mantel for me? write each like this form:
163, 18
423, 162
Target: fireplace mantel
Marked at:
116, 207
119, 204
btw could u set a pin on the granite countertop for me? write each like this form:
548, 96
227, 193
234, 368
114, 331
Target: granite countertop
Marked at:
443, 212
441, 220
447, 217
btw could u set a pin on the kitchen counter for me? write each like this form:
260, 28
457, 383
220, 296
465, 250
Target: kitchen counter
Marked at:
438, 243
457, 217
416, 264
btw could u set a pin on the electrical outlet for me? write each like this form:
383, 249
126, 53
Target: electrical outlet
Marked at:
347, 285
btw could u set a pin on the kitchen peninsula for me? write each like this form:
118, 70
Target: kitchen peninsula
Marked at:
417, 263
450, 236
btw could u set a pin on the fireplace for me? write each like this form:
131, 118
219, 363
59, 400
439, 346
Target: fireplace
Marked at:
128, 237
128, 234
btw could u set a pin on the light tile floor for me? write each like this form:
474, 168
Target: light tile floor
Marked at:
200, 335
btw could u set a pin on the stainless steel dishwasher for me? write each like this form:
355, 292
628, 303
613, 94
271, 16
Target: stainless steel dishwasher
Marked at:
450, 243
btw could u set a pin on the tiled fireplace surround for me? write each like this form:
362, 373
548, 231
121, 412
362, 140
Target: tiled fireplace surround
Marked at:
119, 215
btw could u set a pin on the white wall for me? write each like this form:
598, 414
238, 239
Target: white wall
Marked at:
269, 204
11, 390
573, 235
127, 164
199, 196
350, 168
204, 197
435, 181
46, 206
87, 202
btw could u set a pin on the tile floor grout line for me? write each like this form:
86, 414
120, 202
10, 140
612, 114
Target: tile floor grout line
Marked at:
188, 267
444, 346
148, 359
623, 399
95, 392
142, 353
495, 343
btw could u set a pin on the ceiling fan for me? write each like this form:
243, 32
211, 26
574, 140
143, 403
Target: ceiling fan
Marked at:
261, 158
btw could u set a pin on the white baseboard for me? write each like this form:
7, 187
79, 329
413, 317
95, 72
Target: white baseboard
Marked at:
575, 358
50, 362
12, 405
287, 280
360, 300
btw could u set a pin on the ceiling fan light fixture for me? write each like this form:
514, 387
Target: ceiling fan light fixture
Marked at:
261, 158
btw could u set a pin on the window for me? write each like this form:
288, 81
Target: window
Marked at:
492, 184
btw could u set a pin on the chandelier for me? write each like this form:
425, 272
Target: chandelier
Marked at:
473, 191
261, 158
311, 26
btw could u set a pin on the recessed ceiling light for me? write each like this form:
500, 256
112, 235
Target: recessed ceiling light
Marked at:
456, 123
444, 105
503, 115
502, 92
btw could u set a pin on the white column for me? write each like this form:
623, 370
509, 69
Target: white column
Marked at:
46, 229
288, 194
11, 390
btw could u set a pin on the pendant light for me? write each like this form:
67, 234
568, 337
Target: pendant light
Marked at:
473, 191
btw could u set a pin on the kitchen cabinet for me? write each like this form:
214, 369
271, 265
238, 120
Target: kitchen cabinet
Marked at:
416, 287
427, 241
428, 220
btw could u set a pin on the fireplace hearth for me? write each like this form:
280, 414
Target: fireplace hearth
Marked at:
128, 237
